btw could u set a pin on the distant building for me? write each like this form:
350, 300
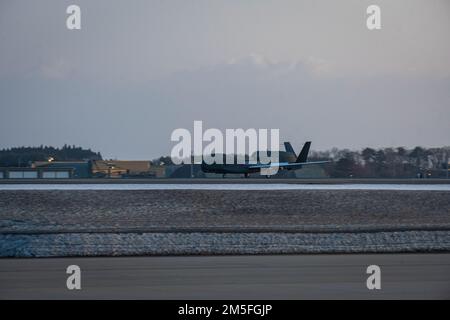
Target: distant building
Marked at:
77, 169
184, 171
126, 168
35, 173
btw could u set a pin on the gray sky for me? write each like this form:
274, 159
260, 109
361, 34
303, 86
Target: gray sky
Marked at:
140, 69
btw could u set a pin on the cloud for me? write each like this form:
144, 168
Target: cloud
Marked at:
135, 120
253, 59
259, 64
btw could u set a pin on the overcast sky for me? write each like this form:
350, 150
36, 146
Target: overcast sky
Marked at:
137, 70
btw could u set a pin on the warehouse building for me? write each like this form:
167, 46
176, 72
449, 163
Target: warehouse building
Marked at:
35, 173
184, 171
126, 169
84, 169
60, 169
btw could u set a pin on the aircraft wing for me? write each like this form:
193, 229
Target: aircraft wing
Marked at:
291, 165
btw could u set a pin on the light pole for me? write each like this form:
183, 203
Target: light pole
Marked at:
448, 161
192, 165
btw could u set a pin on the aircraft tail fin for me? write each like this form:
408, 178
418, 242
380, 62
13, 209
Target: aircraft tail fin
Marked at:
303, 156
288, 147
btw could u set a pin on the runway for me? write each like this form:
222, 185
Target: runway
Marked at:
228, 180
403, 276
226, 186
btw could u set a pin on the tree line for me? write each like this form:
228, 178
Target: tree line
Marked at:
386, 162
24, 156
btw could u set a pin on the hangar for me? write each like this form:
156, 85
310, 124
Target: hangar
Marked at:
64, 169
35, 173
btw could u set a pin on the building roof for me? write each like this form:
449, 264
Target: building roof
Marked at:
127, 165
35, 169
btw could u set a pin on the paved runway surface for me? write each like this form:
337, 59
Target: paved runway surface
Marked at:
228, 180
227, 186
403, 276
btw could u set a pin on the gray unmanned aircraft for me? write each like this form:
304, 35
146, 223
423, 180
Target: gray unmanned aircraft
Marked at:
247, 168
